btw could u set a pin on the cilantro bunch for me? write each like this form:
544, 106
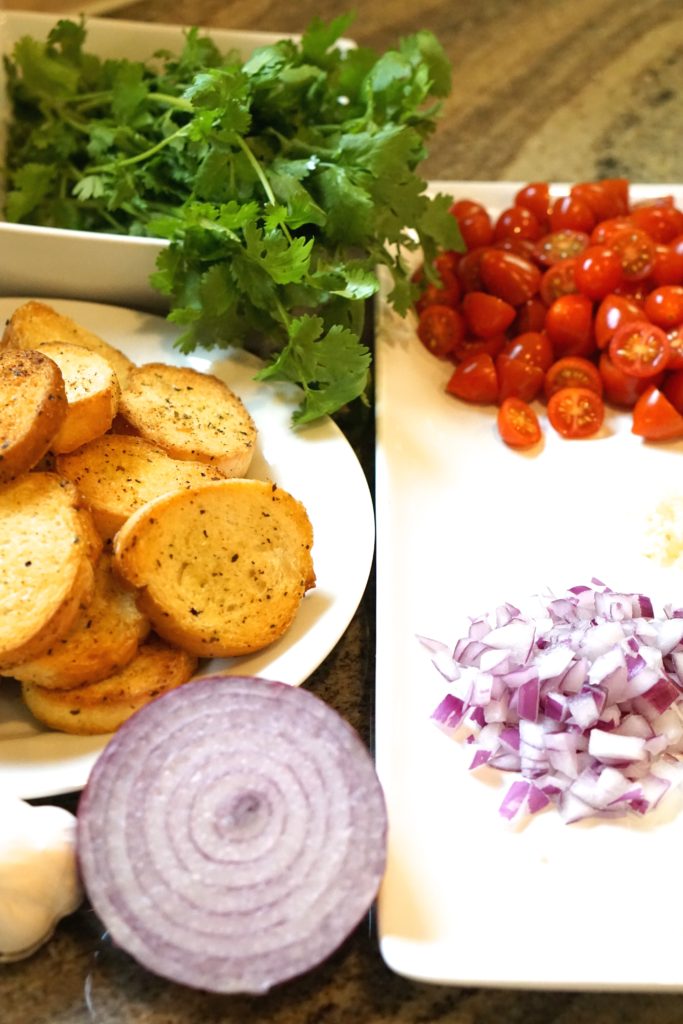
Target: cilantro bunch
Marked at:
281, 183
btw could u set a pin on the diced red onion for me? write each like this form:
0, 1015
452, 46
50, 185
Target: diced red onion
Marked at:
586, 696
232, 834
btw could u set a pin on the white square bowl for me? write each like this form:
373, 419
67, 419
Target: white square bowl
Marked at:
99, 267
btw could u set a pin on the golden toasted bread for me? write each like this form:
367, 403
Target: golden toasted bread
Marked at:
116, 475
46, 557
34, 323
92, 394
33, 407
105, 637
221, 568
102, 707
190, 415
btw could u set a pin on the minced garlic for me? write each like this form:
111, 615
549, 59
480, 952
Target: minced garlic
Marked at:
664, 533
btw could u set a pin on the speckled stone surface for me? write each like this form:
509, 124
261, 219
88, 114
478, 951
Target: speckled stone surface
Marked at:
557, 89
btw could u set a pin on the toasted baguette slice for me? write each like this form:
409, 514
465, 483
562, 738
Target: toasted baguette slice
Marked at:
221, 568
102, 707
46, 559
33, 407
190, 415
116, 475
104, 638
34, 323
92, 393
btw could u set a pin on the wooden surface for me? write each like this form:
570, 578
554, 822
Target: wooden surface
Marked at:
559, 89
542, 89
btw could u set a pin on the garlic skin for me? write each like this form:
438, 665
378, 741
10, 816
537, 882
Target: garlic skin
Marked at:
39, 881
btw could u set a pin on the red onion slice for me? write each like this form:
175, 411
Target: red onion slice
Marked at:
232, 834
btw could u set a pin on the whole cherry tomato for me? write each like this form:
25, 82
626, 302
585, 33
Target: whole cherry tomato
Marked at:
572, 372
576, 412
606, 199
569, 325
474, 223
640, 348
664, 306
661, 223
510, 277
440, 329
518, 423
487, 315
604, 232
655, 418
668, 265
475, 380
444, 293
675, 336
469, 270
530, 316
598, 271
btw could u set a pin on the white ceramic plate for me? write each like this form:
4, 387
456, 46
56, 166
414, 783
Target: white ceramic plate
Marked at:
80, 264
316, 464
463, 524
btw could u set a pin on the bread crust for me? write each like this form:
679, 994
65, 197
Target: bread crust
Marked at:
35, 322
116, 475
92, 394
33, 407
100, 708
191, 415
221, 568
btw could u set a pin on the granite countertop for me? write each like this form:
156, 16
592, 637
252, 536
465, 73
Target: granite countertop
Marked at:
545, 89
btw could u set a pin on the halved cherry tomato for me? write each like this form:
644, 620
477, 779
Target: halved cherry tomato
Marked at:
531, 347
440, 329
661, 223
621, 388
559, 280
569, 325
613, 311
518, 423
572, 372
530, 316
640, 348
474, 346
560, 245
673, 389
517, 222
571, 213
668, 265
576, 412
598, 271
474, 223
604, 232
675, 336
636, 251
518, 378
510, 277
487, 315
605, 198
535, 197
655, 418
475, 380
664, 306
469, 270
444, 293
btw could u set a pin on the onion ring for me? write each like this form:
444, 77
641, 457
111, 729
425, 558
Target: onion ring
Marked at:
232, 834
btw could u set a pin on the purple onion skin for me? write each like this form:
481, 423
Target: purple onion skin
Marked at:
232, 834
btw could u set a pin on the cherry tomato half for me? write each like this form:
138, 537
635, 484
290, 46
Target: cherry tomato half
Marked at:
560, 245
475, 380
640, 348
598, 271
559, 280
613, 311
621, 388
518, 423
517, 222
655, 418
664, 306
636, 252
576, 412
572, 372
518, 378
487, 315
509, 276
535, 197
569, 325
532, 347
440, 329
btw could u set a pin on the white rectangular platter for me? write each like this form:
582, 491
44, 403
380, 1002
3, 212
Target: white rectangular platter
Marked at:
463, 524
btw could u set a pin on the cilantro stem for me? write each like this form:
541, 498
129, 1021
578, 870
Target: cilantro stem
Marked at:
260, 174
139, 157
